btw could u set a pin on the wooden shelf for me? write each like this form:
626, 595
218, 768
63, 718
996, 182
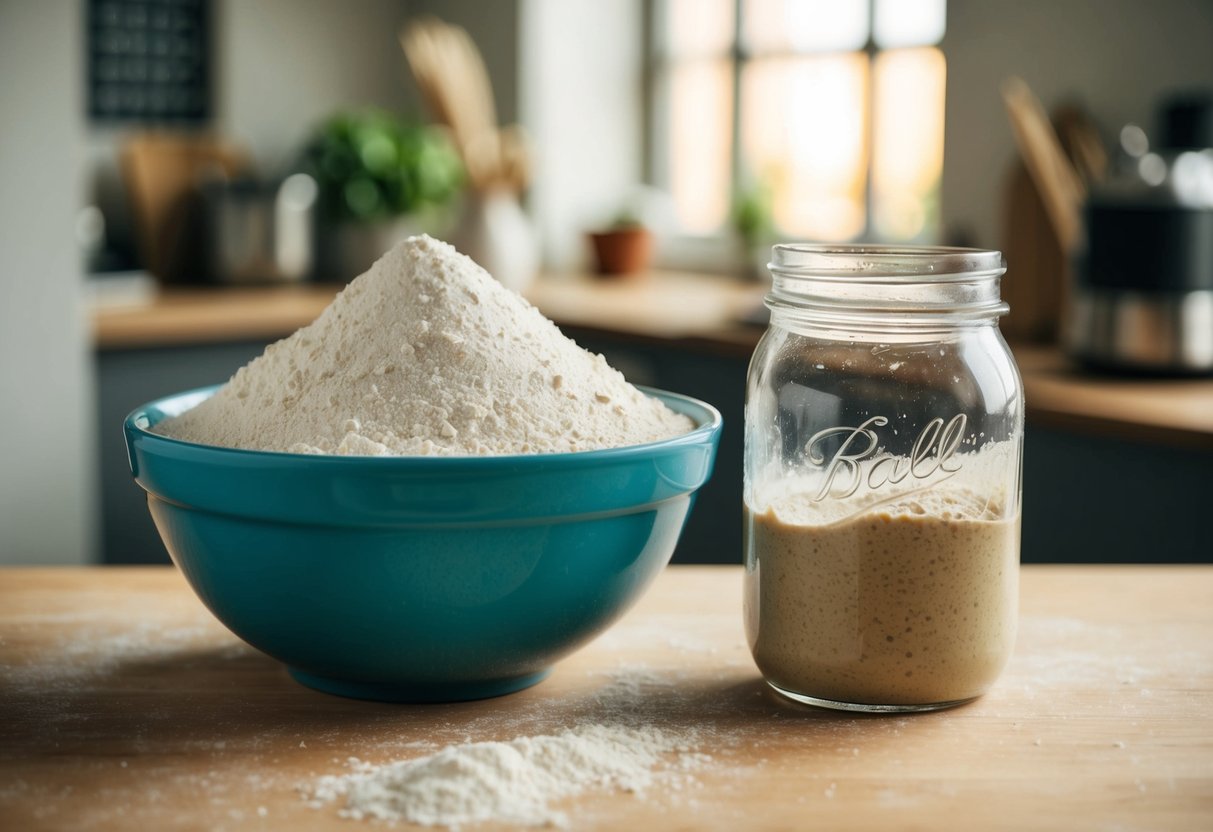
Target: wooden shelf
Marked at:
684, 311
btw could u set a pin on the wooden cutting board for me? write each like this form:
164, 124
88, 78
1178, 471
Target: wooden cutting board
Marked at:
123, 705
162, 172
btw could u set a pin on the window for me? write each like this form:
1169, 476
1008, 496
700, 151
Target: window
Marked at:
833, 108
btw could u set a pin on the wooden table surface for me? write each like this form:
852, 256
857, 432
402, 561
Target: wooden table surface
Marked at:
124, 705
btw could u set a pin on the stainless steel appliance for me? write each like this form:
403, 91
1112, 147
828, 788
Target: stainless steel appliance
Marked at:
1144, 291
261, 233
1143, 281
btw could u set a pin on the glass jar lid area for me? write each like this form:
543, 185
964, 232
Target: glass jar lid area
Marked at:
932, 282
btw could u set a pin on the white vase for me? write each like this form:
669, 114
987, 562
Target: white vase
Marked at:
496, 233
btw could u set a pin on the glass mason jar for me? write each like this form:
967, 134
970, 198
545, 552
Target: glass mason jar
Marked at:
883, 440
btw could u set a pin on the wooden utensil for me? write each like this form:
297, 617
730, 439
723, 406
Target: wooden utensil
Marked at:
1081, 142
1035, 287
161, 172
1059, 185
455, 85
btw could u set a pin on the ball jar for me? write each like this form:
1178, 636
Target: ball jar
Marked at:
883, 455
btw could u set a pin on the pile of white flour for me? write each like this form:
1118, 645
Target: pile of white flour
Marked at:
427, 354
509, 782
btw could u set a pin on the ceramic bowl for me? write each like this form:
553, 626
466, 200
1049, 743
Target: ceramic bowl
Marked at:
419, 578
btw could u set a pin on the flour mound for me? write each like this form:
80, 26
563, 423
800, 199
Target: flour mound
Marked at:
509, 782
427, 354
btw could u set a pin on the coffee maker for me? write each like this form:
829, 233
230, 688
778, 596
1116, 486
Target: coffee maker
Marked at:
1142, 296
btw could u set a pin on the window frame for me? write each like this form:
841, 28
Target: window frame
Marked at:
719, 251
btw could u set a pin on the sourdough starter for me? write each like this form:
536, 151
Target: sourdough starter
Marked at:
910, 602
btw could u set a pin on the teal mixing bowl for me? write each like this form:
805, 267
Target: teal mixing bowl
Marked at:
419, 579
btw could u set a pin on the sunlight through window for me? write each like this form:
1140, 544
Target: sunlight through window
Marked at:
835, 108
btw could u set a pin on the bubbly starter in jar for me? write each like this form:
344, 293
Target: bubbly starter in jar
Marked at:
910, 600
883, 449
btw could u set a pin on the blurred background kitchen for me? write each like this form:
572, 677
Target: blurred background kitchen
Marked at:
184, 181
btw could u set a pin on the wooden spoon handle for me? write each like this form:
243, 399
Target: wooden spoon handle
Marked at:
1055, 178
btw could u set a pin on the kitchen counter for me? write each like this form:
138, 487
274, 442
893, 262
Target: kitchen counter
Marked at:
667, 306
124, 705
209, 315
697, 313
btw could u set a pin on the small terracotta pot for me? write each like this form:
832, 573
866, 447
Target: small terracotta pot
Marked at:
623, 251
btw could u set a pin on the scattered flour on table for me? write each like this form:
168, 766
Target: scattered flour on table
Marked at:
426, 354
513, 782
86, 648
683, 633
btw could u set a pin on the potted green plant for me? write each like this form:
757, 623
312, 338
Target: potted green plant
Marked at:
754, 226
381, 178
623, 248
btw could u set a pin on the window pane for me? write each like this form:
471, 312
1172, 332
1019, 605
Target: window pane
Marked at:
908, 157
804, 135
701, 142
909, 22
805, 25
699, 27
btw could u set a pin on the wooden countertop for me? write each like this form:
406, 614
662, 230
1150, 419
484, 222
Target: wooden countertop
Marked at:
124, 705
669, 306
690, 312
206, 315
1059, 395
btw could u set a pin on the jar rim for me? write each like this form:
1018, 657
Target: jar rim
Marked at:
863, 262
923, 286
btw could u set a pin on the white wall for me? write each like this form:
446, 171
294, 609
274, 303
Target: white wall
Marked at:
494, 27
46, 449
570, 71
280, 66
283, 65
581, 96
1117, 56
